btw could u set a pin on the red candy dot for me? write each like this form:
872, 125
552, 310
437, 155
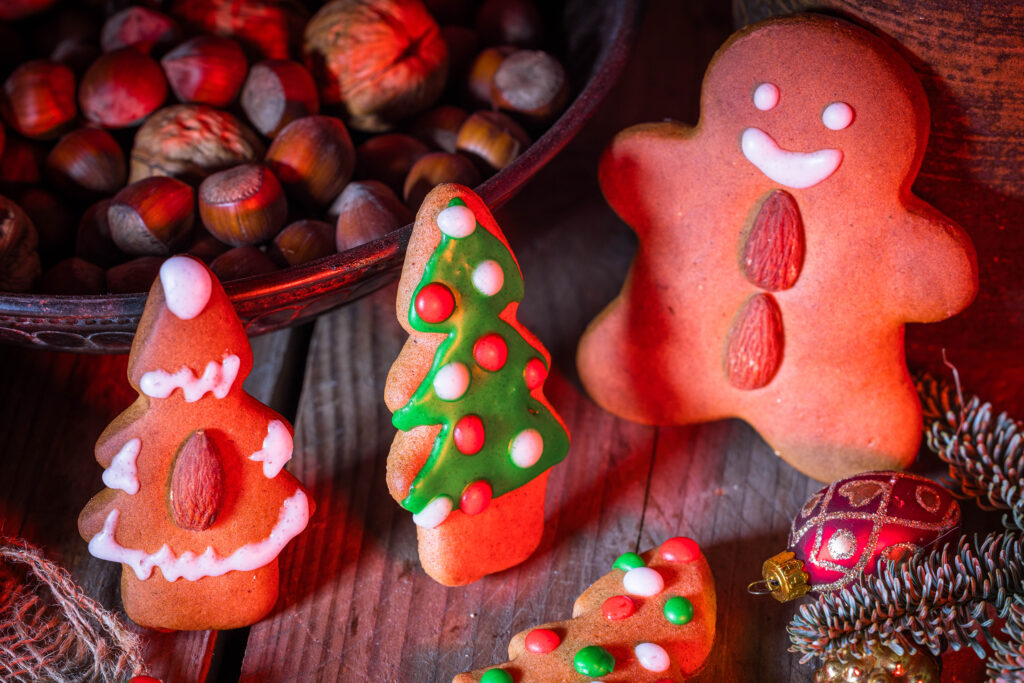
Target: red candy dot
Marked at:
534, 373
541, 641
476, 498
469, 434
434, 303
680, 549
490, 352
618, 607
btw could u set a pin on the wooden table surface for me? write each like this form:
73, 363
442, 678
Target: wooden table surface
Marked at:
355, 604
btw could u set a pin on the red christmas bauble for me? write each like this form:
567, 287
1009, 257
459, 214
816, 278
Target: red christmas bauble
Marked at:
845, 528
434, 303
490, 352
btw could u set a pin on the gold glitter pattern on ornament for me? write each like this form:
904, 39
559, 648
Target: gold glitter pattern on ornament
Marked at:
842, 545
808, 507
927, 498
860, 493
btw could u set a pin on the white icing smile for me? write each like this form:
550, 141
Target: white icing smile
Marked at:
217, 377
797, 170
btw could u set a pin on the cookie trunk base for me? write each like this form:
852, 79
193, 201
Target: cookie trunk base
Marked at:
233, 600
466, 548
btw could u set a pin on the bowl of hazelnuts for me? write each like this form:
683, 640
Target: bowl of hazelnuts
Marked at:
285, 143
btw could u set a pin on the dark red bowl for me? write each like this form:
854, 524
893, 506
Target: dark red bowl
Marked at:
597, 37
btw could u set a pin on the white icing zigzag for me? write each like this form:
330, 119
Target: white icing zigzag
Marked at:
122, 474
276, 451
218, 378
290, 521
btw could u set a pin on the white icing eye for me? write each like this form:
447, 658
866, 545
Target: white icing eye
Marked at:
837, 116
766, 96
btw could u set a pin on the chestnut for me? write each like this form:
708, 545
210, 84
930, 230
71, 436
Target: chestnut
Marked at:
19, 249
303, 241
138, 27
243, 205
74, 275
152, 217
388, 158
136, 275
492, 139
87, 161
206, 69
276, 92
531, 83
239, 262
436, 168
313, 158
121, 88
366, 210
39, 99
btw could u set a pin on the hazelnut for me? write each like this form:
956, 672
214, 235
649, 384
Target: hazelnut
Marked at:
509, 22
121, 88
138, 27
93, 241
136, 275
76, 54
269, 28
277, 92
303, 241
313, 158
20, 163
53, 218
531, 83
206, 69
382, 62
19, 255
492, 140
239, 262
367, 210
481, 74
152, 217
388, 158
434, 169
39, 99
206, 247
74, 276
439, 127
191, 141
87, 161
243, 205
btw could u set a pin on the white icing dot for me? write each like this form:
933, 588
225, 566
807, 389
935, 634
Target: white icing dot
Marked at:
652, 657
456, 221
276, 451
643, 581
451, 381
122, 473
526, 448
766, 96
434, 513
488, 278
837, 116
187, 286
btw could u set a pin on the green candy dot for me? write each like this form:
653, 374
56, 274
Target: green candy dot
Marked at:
594, 661
627, 561
678, 610
496, 676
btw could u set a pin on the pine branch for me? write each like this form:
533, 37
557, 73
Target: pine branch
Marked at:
934, 599
985, 454
1007, 662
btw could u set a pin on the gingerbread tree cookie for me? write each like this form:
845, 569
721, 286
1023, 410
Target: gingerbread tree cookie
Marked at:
651, 619
477, 436
197, 505
781, 252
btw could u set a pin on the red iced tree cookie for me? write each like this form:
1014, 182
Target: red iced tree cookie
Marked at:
651, 619
477, 436
781, 252
197, 505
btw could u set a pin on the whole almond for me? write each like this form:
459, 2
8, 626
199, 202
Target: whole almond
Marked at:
197, 483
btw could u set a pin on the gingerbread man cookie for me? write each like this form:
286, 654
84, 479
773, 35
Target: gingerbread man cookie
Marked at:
197, 505
477, 438
781, 252
651, 619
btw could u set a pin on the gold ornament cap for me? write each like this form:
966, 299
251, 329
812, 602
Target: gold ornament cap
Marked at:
783, 576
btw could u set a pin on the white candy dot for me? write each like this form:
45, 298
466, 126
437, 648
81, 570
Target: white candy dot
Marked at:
488, 278
837, 116
456, 221
643, 581
766, 96
652, 657
187, 286
526, 448
434, 513
451, 381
